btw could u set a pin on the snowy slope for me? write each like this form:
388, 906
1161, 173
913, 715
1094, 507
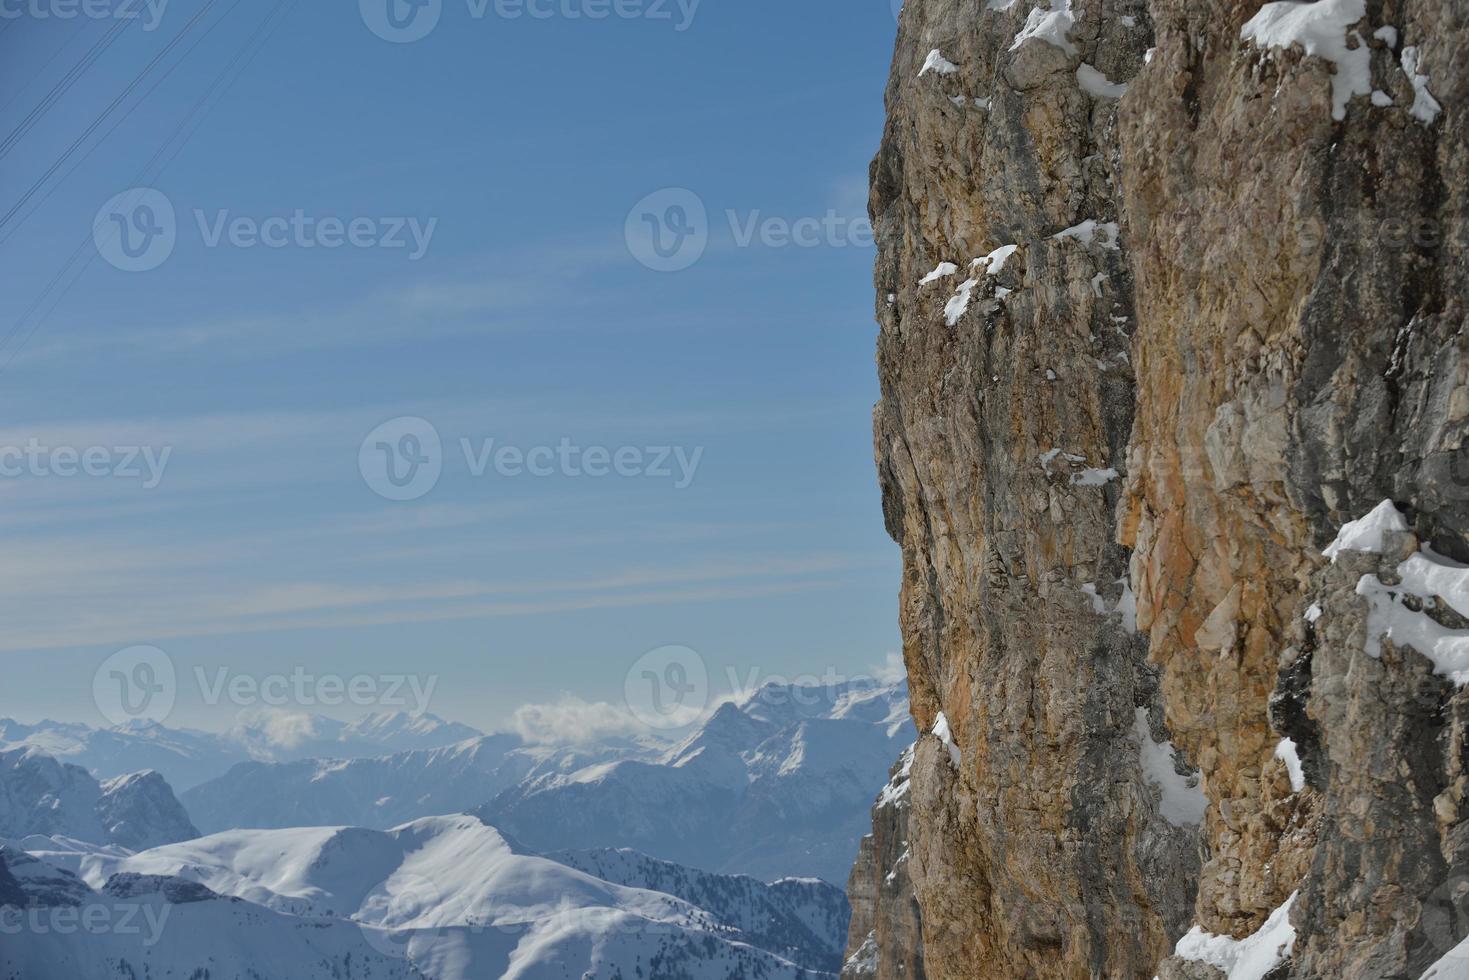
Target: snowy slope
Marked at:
456, 899
804, 919
140, 927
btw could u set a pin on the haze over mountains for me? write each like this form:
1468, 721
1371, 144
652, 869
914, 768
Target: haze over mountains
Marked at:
483, 856
187, 757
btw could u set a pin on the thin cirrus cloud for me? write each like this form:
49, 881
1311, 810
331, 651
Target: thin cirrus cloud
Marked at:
101, 628
418, 310
76, 597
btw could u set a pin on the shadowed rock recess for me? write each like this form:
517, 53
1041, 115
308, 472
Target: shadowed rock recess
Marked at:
1169, 293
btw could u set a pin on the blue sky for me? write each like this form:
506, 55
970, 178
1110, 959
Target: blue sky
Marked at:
517, 147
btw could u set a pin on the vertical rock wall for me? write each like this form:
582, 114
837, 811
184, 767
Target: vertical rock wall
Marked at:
1112, 455
1039, 845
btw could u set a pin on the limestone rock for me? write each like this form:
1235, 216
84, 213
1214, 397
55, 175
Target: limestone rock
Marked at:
1231, 323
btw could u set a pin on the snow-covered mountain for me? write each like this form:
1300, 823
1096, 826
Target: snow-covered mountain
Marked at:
187, 757
804, 919
139, 926
41, 795
772, 785
388, 790
446, 896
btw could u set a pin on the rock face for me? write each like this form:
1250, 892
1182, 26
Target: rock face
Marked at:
1232, 322
885, 940
139, 811
41, 796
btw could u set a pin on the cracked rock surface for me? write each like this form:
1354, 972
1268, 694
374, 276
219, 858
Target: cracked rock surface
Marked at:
1194, 325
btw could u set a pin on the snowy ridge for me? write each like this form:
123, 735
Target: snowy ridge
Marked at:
447, 897
804, 920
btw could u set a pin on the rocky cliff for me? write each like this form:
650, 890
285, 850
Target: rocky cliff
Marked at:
1169, 294
41, 796
885, 940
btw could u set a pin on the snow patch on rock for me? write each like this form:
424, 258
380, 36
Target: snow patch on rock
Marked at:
1251, 958
1051, 26
1321, 29
1184, 803
938, 64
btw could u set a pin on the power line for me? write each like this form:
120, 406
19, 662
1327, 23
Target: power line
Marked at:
76, 33
15, 227
222, 83
62, 86
118, 100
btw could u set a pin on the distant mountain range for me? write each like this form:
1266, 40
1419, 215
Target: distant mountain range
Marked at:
186, 757
616, 861
444, 898
387, 790
773, 785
